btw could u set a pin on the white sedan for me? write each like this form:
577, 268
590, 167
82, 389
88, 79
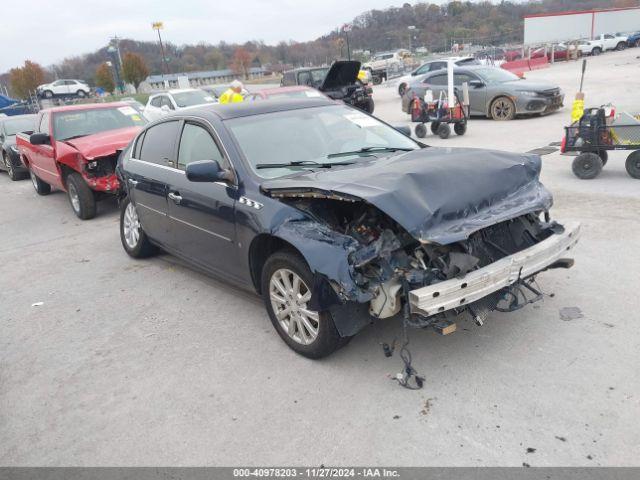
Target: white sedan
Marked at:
161, 104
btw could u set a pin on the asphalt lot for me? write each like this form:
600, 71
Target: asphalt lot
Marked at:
151, 363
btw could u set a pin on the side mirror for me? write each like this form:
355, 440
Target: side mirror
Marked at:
40, 139
476, 83
165, 108
207, 171
403, 129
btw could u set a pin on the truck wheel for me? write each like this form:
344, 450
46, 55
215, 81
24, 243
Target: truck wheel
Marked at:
596, 51
377, 80
42, 188
460, 128
421, 130
286, 283
48, 94
368, 105
134, 240
587, 166
434, 127
444, 130
633, 164
621, 46
503, 109
81, 197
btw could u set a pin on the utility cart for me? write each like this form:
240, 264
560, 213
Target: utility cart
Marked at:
598, 131
440, 116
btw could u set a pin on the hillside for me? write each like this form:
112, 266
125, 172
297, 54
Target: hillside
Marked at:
437, 27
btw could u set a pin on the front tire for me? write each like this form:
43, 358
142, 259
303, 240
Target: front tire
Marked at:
596, 51
13, 175
587, 166
81, 93
42, 188
286, 282
503, 109
633, 164
402, 88
621, 46
81, 197
134, 241
48, 94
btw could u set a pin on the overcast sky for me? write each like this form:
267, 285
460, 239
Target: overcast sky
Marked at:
37, 31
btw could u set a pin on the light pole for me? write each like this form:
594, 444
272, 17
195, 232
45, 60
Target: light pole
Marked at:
411, 28
159, 26
346, 28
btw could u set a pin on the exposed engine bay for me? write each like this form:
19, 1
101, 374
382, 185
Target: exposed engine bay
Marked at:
388, 262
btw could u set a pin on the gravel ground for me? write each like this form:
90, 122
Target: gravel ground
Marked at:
151, 363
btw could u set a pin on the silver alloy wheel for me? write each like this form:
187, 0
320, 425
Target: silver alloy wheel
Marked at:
9, 165
131, 226
502, 109
73, 196
289, 299
34, 179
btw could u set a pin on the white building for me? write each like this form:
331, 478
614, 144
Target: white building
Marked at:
574, 25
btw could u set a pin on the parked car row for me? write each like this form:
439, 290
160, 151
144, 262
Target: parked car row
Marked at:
332, 216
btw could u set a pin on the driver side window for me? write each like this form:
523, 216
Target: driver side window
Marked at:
304, 78
196, 143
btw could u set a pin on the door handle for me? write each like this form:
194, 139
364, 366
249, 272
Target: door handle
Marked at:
175, 197
133, 182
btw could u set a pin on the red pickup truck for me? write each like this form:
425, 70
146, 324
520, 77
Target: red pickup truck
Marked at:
75, 149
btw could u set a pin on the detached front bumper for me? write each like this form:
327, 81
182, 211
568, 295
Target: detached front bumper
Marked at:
477, 284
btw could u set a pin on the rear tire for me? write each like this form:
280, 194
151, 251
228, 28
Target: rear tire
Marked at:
421, 130
402, 88
621, 46
134, 241
42, 188
13, 175
633, 164
444, 131
81, 93
81, 197
587, 166
48, 94
311, 334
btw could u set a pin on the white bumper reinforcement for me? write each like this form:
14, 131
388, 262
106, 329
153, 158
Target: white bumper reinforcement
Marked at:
479, 283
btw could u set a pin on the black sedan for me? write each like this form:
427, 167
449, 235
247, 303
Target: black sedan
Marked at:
336, 218
9, 128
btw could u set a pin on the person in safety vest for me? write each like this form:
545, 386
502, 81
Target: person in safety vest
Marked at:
232, 94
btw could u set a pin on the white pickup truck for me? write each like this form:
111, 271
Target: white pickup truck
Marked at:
602, 43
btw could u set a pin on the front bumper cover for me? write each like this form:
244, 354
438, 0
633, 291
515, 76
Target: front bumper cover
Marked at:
459, 292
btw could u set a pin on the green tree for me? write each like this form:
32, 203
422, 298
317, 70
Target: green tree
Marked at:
104, 78
134, 69
26, 78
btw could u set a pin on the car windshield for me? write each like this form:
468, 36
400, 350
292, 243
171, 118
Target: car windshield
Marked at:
12, 127
80, 123
191, 98
330, 134
496, 75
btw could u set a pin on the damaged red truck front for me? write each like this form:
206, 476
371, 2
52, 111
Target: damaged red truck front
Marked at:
75, 149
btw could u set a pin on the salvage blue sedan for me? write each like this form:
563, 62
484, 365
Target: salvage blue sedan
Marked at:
338, 219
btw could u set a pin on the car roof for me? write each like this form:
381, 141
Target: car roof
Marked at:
8, 118
86, 106
246, 109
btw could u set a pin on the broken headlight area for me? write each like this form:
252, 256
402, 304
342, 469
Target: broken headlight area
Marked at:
390, 268
101, 166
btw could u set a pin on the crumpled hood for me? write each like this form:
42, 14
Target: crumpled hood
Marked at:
103, 143
438, 195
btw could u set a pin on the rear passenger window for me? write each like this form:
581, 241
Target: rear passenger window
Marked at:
437, 80
159, 142
197, 144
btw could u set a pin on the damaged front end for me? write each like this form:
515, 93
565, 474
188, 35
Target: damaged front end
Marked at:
100, 173
372, 267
